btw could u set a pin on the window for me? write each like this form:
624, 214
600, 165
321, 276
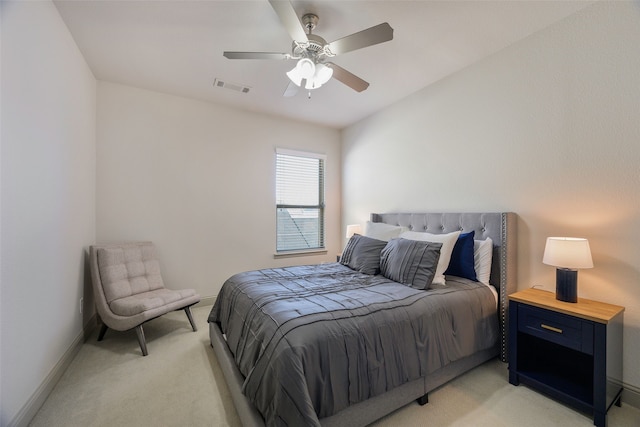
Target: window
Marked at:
299, 201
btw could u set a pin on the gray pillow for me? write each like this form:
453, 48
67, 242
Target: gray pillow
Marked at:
363, 254
410, 262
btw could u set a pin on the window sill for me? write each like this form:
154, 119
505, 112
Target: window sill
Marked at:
308, 252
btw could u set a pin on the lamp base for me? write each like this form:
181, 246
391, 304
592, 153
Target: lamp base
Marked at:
566, 285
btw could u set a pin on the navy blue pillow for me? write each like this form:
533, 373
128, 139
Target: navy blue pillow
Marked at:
461, 263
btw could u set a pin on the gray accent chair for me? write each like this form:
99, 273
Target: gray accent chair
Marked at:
129, 289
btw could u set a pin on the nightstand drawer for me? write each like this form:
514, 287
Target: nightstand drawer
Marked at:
558, 328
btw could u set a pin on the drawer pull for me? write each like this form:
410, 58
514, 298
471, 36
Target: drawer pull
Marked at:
550, 328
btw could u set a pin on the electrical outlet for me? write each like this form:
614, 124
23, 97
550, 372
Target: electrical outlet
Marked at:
81, 304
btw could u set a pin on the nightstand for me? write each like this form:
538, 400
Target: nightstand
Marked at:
570, 351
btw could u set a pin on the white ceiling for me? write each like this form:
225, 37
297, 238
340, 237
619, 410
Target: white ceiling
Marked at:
176, 47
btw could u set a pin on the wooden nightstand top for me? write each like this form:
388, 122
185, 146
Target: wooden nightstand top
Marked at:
585, 308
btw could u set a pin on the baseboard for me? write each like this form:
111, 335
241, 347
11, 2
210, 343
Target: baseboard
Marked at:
631, 395
29, 410
206, 301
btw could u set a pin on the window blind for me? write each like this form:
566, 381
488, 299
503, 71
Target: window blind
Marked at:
299, 200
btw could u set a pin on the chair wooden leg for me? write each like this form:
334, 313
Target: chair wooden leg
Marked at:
103, 330
193, 324
141, 340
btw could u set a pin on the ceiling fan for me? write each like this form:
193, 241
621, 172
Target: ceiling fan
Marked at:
312, 52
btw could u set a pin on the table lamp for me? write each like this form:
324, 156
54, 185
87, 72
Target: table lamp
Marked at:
353, 229
567, 254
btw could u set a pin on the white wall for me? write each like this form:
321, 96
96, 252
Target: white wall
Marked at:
48, 196
548, 128
198, 180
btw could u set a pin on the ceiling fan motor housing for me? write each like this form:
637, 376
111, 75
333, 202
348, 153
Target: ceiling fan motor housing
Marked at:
314, 49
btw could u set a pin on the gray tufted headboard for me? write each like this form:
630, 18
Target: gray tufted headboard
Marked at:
499, 226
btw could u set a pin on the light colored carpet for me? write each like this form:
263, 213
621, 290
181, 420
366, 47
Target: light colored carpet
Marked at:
180, 383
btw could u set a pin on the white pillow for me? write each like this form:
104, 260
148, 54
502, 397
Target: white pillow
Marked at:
382, 231
448, 242
482, 255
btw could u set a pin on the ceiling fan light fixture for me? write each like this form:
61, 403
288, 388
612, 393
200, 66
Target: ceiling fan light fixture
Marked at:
295, 76
304, 69
322, 75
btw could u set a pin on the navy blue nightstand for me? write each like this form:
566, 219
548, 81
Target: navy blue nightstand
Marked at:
569, 351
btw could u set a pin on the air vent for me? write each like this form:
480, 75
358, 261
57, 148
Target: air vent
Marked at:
231, 86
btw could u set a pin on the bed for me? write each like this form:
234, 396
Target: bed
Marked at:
346, 348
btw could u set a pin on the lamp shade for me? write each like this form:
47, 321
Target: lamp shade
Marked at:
353, 229
304, 69
322, 75
567, 252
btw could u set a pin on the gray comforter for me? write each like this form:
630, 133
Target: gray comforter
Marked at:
311, 340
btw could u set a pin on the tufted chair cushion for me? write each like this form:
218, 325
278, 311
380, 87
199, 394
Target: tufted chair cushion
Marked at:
138, 303
127, 271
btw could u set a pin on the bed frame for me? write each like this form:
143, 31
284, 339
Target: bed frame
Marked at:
500, 227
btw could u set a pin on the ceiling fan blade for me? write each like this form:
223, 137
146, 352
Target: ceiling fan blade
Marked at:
291, 90
289, 19
378, 34
348, 78
256, 55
